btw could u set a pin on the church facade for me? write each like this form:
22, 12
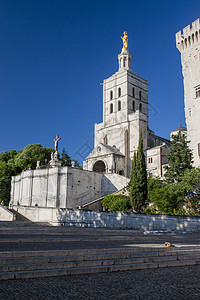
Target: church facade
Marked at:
188, 43
125, 114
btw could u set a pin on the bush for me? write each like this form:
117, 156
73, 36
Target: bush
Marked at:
192, 205
117, 203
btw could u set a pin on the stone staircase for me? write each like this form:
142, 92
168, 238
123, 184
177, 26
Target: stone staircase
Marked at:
34, 264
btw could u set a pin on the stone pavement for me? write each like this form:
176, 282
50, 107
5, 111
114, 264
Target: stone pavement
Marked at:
166, 283
24, 236
163, 283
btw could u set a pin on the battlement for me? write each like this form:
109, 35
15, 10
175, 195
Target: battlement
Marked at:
189, 36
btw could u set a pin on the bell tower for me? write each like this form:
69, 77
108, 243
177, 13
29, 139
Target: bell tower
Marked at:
125, 109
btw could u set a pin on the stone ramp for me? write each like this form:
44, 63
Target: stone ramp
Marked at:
35, 264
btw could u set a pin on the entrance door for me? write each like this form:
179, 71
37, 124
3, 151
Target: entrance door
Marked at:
99, 166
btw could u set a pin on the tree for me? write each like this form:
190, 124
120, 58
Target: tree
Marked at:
5, 177
28, 157
166, 199
65, 158
138, 179
179, 159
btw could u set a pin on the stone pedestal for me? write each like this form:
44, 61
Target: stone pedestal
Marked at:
55, 162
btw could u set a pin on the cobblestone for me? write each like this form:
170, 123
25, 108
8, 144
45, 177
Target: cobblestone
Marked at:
165, 283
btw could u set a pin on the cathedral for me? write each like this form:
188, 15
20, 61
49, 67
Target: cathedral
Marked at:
125, 114
107, 168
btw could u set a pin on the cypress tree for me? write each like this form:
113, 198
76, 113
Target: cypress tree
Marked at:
138, 178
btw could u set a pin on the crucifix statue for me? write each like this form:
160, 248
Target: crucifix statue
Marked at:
56, 142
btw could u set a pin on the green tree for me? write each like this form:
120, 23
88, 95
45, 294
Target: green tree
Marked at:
65, 158
138, 179
179, 159
5, 177
166, 199
28, 157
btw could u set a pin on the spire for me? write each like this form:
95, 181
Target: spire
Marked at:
125, 58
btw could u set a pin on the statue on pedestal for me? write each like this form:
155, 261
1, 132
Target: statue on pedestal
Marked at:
125, 42
54, 156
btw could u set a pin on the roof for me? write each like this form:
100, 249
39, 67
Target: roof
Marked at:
112, 149
180, 128
104, 149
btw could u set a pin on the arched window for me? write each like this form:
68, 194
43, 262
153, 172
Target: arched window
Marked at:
119, 105
111, 108
185, 43
119, 92
111, 95
140, 95
189, 40
133, 92
140, 107
133, 105
196, 35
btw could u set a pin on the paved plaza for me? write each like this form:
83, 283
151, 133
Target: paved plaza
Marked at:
163, 283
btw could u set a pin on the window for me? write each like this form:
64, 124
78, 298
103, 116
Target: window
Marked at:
111, 108
150, 160
119, 105
140, 107
133, 105
119, 92
197, 91
140, 95
133, 92
111, 95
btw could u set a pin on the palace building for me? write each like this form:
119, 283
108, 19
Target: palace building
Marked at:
188, 43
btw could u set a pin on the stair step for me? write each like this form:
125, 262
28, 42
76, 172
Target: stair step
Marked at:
90, 263
90, 257
93, 269
161, 249
30, 264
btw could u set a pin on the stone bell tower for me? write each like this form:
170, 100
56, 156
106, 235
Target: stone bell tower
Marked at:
188, 43
125, 113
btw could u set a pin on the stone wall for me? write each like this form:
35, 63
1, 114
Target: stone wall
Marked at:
113, 220
63, 187
6, 215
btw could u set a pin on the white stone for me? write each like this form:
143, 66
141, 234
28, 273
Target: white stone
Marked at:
188, 43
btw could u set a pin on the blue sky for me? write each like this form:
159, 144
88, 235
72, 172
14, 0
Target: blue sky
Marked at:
55, 54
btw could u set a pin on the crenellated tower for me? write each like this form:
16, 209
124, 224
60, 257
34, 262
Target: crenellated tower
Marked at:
188, 43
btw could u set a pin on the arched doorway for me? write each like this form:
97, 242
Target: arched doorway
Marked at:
99, 166
121, 172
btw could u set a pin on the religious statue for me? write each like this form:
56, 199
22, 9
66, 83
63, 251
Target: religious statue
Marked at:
56, 142
125, 42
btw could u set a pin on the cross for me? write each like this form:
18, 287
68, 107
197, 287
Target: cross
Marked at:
56, 142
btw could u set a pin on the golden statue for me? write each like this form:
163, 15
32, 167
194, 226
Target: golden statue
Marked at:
125, 42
